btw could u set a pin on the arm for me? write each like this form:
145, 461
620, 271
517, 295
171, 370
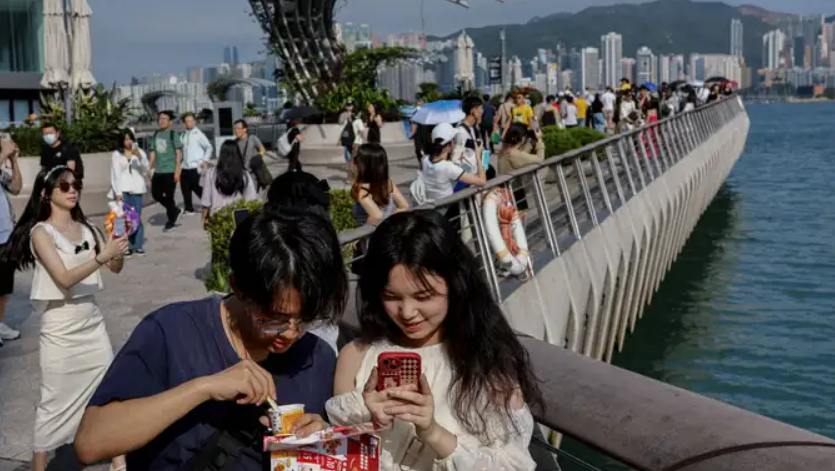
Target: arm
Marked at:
142, 162
48, 255
152, 157
379, 120
375, 216
260, 146
399, 200
347, 407
178, 156
207, 149
14, 183
471, 179
115, 175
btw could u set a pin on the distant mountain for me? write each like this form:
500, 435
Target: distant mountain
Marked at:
767, 16
665, 26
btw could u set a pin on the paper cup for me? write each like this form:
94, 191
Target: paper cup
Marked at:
283, 418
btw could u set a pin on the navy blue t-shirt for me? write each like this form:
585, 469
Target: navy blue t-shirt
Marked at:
184, 341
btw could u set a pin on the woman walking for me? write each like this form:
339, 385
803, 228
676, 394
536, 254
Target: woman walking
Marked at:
54, 236
374, 123
128, 173
227, 182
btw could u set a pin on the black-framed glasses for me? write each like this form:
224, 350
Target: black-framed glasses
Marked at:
279, 326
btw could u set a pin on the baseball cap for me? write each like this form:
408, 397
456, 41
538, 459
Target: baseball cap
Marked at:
443, 132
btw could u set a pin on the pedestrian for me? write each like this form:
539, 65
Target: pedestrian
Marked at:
348, 134
55, 237
250, 150
375, 196
12, 182
609, 98
487, 123
598, 115
227, 182
196, 373
375, 125
56, 151
569, 113
166, 161
197, 150
582, 106
128, 173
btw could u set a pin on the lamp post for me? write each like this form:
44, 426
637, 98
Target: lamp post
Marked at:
68, 95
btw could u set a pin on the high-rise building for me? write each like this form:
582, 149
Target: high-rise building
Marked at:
677, 71
773, 44
664, 62
736, 38
21, 59
647, 66
628, 68
590, 67
230, 55
611, 47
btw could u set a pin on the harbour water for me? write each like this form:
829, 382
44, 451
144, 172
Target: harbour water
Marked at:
747, 314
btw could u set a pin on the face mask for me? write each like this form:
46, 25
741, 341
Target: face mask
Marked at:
50, 139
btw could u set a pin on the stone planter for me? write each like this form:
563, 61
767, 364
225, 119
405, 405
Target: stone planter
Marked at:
96, 183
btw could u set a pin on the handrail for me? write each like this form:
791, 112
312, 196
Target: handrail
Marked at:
354, 235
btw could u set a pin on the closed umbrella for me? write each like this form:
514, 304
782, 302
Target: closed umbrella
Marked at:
82, 76
56, 54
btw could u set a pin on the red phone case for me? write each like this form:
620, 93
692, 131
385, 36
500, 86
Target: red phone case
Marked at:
397, 369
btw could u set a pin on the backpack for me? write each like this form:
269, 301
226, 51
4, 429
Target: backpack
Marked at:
348, 135
283, 146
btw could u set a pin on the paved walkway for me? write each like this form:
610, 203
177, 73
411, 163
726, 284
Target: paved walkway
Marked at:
170, 272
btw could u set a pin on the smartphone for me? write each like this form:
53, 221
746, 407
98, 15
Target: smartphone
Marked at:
485, 159
119, 228
396, 369
240, 216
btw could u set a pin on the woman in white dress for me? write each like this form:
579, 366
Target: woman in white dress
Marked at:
67, 252
422, 292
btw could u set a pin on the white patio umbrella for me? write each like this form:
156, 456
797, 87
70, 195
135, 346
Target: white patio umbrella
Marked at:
56, 54
82, 76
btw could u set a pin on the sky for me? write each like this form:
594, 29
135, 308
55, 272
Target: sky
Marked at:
168, 36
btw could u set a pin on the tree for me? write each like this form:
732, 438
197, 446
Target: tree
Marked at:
429, 92
251, 110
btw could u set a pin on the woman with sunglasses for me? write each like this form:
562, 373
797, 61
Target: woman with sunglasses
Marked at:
195, 372
67, 252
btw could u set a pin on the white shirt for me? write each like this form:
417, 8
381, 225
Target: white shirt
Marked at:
608, 100
440, 178
196, 149
359, 128
570, 114
128, 176
626, 108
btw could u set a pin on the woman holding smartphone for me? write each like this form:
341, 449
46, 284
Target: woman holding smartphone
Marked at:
128, 174
67, 252
422, 293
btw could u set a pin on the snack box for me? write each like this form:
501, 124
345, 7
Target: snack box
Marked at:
334, 449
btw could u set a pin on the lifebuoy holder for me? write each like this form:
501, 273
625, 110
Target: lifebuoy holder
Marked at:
506, 233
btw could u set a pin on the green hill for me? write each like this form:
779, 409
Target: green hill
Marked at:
665, 26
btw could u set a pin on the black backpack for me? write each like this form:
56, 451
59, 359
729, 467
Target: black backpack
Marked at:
348, 136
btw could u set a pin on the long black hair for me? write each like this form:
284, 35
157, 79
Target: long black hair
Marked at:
230, 175
489, 364
372, 170
18, 251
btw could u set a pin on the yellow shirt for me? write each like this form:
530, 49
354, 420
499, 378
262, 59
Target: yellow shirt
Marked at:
582, 105
523, 114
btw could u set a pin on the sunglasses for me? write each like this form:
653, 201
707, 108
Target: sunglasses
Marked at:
64, 185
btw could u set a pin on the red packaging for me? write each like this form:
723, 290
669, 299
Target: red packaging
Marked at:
334, 449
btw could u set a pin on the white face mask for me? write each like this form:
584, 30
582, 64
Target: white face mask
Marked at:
50, 139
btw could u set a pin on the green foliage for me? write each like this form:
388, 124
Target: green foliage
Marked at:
251, 111
28, 139
586, 135
558, 141
221, 225
429, 92
98, 117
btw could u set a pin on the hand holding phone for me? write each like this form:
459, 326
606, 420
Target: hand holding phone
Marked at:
398, 369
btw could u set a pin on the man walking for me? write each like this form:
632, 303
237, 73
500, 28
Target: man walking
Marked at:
197, 150
166, 165
12, 182
55, 151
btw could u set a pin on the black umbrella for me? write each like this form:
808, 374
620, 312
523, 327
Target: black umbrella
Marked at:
677, 84
300, 112
717, 79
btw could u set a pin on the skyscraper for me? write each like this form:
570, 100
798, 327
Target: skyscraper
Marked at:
230, 55
647, 66
773, 44
611, 47
736, 38
590, 67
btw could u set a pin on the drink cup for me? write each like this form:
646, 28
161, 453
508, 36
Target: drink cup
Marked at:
283, 418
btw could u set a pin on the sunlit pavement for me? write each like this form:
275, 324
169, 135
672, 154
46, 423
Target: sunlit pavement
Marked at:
170, 272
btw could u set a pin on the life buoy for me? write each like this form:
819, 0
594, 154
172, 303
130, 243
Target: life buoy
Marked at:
506, 232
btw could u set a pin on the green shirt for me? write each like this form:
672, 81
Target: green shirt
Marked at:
166, 155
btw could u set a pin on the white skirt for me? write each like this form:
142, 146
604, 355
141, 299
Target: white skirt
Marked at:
75, 353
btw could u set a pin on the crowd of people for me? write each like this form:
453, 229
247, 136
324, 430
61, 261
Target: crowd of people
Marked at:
197, 374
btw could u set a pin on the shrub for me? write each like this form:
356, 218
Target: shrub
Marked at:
221, 225
558, 141
586, 135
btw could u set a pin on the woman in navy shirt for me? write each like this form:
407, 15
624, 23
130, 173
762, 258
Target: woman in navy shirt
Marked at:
192, 370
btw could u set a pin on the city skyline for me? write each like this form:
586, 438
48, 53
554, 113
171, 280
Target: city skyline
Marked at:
164, 50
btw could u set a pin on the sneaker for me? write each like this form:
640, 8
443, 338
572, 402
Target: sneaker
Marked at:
186, 212
7, 333
139, 252
128, 254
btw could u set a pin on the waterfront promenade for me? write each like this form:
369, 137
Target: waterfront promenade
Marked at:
170, 272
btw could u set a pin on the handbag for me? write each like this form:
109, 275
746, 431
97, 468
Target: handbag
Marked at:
259, 169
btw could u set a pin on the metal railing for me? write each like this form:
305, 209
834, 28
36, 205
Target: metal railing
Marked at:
566, 196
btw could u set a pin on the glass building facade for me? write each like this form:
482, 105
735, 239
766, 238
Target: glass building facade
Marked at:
21, 58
